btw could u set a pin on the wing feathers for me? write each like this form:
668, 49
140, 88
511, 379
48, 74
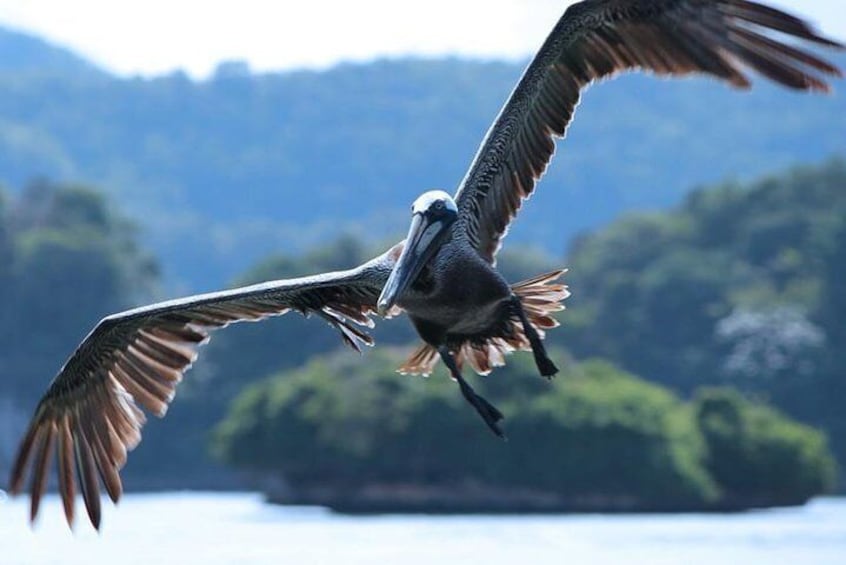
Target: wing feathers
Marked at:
87, 475
129, 380
105, 459
597, 39
89, 416
67, 484
172, 354
767, 17
46, 437
23, 457
787, 51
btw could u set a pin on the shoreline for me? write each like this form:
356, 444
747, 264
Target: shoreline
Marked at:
476, 499
384, 501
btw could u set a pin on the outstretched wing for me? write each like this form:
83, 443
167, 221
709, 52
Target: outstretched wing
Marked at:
90, 417
596, 39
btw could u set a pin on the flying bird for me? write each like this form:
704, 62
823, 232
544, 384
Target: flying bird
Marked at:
443, 274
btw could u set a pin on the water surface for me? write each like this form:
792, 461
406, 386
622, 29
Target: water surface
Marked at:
214, 528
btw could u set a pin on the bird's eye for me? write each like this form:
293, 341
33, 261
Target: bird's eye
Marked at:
439, 205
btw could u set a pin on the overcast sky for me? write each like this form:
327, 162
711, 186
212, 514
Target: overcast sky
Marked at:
158, 36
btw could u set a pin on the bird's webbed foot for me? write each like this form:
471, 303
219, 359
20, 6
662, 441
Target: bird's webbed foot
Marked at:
486, 410
545, 365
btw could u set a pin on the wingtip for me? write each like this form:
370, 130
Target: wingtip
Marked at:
830, 43
70, 522
95, 514
13, 490
17, 477
34, 511
70, 512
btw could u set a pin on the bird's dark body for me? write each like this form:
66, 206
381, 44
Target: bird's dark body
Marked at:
459, 297
443, 275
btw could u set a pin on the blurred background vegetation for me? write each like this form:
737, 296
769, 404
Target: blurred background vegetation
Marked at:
703, 347
225, 171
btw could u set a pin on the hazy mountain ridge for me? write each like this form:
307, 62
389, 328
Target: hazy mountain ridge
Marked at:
23, 53
224, 171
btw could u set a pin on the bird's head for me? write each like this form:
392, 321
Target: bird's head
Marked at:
432, 214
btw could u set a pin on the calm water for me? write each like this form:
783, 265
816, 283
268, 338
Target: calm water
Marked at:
239, 528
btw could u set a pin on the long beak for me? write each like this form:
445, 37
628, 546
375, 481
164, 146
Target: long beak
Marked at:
421, 243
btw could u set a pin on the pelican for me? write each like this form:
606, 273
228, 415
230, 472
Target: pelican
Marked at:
443, 274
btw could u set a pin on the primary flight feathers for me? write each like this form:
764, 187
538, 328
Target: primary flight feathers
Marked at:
597, 39
90, 414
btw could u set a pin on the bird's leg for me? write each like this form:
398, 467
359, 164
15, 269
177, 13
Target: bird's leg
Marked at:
486, 410
545, 365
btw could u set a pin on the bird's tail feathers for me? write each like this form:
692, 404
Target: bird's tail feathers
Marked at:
540, 297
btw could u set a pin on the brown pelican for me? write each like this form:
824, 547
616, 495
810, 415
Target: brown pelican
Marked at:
442, 275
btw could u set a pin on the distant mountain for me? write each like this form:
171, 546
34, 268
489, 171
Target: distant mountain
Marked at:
21, 53
224, 171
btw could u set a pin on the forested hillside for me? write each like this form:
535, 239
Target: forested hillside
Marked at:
741, 285
32, 57
225, 171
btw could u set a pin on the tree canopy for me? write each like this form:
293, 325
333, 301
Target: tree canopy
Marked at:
355, 435
741, 285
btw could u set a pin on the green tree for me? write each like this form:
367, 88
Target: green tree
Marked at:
759, 456
740, 285
594, 438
